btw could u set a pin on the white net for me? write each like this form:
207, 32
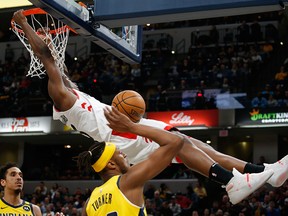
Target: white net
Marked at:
55, 34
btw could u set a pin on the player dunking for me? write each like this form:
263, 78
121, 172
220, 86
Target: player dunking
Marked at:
85, 113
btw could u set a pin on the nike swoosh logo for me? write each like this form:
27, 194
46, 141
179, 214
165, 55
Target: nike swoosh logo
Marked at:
4, 207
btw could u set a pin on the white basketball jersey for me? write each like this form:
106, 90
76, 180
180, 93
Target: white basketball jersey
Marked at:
87, 115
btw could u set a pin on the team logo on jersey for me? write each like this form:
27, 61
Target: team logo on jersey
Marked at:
63, 119
86, 106
26, 208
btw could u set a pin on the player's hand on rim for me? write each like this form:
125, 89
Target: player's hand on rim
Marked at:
19, 17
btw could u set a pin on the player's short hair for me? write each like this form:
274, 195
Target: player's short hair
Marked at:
4, 168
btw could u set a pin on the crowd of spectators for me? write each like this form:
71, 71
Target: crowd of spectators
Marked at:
198, 199
230, 69
237, 66
275, 93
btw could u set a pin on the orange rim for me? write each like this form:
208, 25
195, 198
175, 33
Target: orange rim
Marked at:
35, 11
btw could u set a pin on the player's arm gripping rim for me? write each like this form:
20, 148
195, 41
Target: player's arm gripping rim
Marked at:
63, 98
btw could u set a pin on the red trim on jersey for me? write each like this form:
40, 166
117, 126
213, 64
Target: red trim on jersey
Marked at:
168, 127
125, 135
56, 109
178, 159
75, 93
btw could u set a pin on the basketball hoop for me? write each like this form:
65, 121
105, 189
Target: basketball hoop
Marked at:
53, 32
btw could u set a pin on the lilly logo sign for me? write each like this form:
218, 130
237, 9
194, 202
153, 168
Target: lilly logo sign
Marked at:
181, 118
187, 118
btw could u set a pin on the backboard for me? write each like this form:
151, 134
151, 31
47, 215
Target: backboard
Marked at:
130, 12
125, 44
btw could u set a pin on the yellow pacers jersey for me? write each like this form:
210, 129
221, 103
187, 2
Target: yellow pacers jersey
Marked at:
108, 200
25, 209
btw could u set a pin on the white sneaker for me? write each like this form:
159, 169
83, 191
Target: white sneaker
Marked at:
280, 169
242, 185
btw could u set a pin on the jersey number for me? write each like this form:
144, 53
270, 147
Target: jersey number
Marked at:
112, 214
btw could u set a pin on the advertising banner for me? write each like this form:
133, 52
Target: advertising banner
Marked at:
261, 117
182, 118
25, 124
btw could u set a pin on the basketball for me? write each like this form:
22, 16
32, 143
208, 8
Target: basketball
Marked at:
130, 103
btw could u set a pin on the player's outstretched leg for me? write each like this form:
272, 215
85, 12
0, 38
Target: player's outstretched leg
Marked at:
238, 185
242, 185
280, 167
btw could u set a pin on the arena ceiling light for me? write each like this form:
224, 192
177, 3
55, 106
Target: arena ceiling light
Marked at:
14, 3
